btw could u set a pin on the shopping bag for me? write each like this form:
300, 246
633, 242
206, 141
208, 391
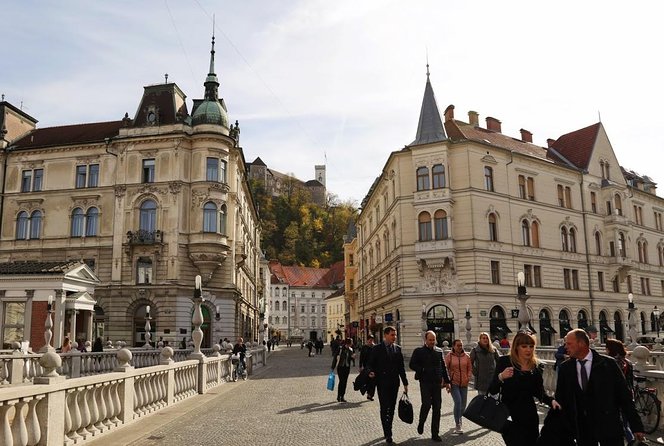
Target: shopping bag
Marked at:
488, 412
405, 409
330, 381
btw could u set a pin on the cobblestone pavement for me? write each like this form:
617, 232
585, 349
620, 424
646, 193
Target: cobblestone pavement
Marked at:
286, 403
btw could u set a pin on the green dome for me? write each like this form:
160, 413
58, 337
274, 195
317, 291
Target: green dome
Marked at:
210, 112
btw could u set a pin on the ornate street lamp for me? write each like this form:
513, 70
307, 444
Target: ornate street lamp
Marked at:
655, 312
197, 321
522, 295
468, 317
631, 323
147, 327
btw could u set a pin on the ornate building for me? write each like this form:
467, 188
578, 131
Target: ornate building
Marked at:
456, 214
148, 202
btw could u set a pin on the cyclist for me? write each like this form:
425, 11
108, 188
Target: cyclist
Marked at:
240, 349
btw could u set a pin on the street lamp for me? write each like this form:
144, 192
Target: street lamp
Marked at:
655, 312
631, 323
522, 295
468, 317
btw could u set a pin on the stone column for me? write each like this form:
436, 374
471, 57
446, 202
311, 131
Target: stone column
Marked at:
89, 334
72, 325
59, 327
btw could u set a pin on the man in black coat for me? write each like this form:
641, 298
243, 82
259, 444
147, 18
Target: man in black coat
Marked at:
430, 370
386, 366
593, 393
365, 354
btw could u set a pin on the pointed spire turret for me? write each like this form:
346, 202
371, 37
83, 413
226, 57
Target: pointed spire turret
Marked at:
430, 126
211, 81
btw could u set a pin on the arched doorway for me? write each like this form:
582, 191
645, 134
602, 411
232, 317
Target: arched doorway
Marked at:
98, 323
440, 319
498, 324
546, 329
206, 327
582, 319
604, 329
565, 326
139, 326
618, 325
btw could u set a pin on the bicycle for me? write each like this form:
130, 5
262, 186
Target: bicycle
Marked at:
647, 404
238, 368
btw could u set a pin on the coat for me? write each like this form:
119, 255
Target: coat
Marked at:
484, 364
606, 396
459, 368
387, 368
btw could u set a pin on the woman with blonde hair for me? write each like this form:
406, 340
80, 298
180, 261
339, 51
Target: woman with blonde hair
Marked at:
483, 359
518, 377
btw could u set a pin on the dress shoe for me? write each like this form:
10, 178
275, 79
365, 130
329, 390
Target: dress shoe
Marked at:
389, 440
342, 400
436, 438
420, 428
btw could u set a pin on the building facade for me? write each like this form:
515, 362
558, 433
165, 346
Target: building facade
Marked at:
147, 203
455, 215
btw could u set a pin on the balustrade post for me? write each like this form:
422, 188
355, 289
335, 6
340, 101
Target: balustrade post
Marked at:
197, 321
51, 418
17, 363
76, 359
126, 387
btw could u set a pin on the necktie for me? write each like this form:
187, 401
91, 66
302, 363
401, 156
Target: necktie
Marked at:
584, 374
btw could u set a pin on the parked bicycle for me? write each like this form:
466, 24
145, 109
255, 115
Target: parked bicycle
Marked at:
647, 404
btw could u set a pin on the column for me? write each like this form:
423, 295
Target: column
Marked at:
72, 326
89, 334
59, 318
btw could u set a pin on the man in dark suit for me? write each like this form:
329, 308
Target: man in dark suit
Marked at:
593, 393
365, 354
386, 366
430, 370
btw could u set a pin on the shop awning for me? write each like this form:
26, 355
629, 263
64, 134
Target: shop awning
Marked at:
605, 328
548, 329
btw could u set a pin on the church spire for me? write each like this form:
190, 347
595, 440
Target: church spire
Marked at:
211, 81
430, 126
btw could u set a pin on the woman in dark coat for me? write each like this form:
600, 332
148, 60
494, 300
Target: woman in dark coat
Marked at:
483, 358
519, 379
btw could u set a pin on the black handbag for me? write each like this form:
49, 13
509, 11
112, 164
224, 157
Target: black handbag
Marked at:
405, 409
488, 412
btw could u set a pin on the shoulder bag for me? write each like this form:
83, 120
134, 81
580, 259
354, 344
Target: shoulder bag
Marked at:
405, 409
489, 412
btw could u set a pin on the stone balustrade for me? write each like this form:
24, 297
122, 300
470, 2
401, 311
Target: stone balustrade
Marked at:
53, 410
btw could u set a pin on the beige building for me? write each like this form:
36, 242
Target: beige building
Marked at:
336, 315
147, 202
455, 215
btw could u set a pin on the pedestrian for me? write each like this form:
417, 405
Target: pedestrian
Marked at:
560, 355
98, 345
66, 345
386, 366
593, 393
365, 354
430, 371
616, 350
483, 359
460, 370
310, 346
183, 343
343, 368
592, 334
518, 378
504, 343
335, 345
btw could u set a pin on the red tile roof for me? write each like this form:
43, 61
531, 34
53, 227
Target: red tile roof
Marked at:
68, 135
303, 276
578, 146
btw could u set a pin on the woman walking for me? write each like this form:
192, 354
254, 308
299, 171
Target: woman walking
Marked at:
460, 371
343, 368
518, 377
483, 359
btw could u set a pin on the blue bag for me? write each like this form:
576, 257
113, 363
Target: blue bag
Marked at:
330, 381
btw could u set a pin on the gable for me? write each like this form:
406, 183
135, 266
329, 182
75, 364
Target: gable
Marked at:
603, 151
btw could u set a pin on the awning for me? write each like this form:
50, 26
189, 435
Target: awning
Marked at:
531, 328
605, 328
548, 329
504, 329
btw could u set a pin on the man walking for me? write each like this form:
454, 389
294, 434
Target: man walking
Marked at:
386, 366
365, 354
593, 392
430, 370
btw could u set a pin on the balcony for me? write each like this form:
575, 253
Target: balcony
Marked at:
616, 220
208, 250
143, 237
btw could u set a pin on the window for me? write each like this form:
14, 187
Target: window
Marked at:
495, 272
600, 280
210, 217
593, 202
440, 223
660, 251
87, 176
572, 240
388, 282
618, 204
148, 216
575, 279
222, 171
568, 197
313, 308
528, 275
525, 233
351, 284
438, 174
222, 219
284, 306
534, 230
422, 178
563, 239
531, 188
144, 270
26, 182
537, 276
598, 243
212, 169
629, 284
32, 180
526, 188
35, 224
564, 196
658, 221
615, 284
424, 226
488, 179
622, 248
276, 306
561, 196
13, 323
148, 170
642, 247
93, 175
638, 215
522, 187
91, 222
493, 228
609, 206
77, 222
567, 279
301, 308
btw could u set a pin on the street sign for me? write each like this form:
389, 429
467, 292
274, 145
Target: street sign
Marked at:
378, 319
515, 314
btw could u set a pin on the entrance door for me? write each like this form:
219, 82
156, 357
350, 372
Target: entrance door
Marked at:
139, 327
440, 319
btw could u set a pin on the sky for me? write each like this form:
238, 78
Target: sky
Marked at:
341, 82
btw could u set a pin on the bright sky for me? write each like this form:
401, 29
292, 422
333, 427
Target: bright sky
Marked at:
344, 79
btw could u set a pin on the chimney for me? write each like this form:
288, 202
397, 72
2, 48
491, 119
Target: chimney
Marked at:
493, 124
449, 113
474, 118
526, 136
550, 142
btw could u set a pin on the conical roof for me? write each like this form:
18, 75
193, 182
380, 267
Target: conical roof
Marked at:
430, 127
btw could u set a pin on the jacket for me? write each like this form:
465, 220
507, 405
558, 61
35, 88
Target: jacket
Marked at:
428, 365
459, 368
483, 363
387, 368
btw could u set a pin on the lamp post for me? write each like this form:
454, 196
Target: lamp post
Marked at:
147, 327
48, 326
468, 317
631, 323
655, 312
522, 295
197, 320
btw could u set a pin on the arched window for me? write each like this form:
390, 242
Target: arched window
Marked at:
438, 173
563, 239
622, 248
77, 219
598, 243
618, 204
222, 219
534, 233
563, 318
582, 318
91, 222
525, 233
148, 216
276, 305
22, 225
424, 226
276, 320
572, 240
35, 224
422, 178
284, 306
488, 178
493, 228
210, 217
440, 223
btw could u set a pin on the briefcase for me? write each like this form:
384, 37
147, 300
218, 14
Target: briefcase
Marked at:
488, 412
405, 409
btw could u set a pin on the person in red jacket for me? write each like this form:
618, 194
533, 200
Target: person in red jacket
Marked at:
460, 370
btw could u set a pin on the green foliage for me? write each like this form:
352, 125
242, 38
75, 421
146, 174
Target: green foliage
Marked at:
297, 231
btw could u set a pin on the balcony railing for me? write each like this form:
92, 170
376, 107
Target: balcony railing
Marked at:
143, 237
